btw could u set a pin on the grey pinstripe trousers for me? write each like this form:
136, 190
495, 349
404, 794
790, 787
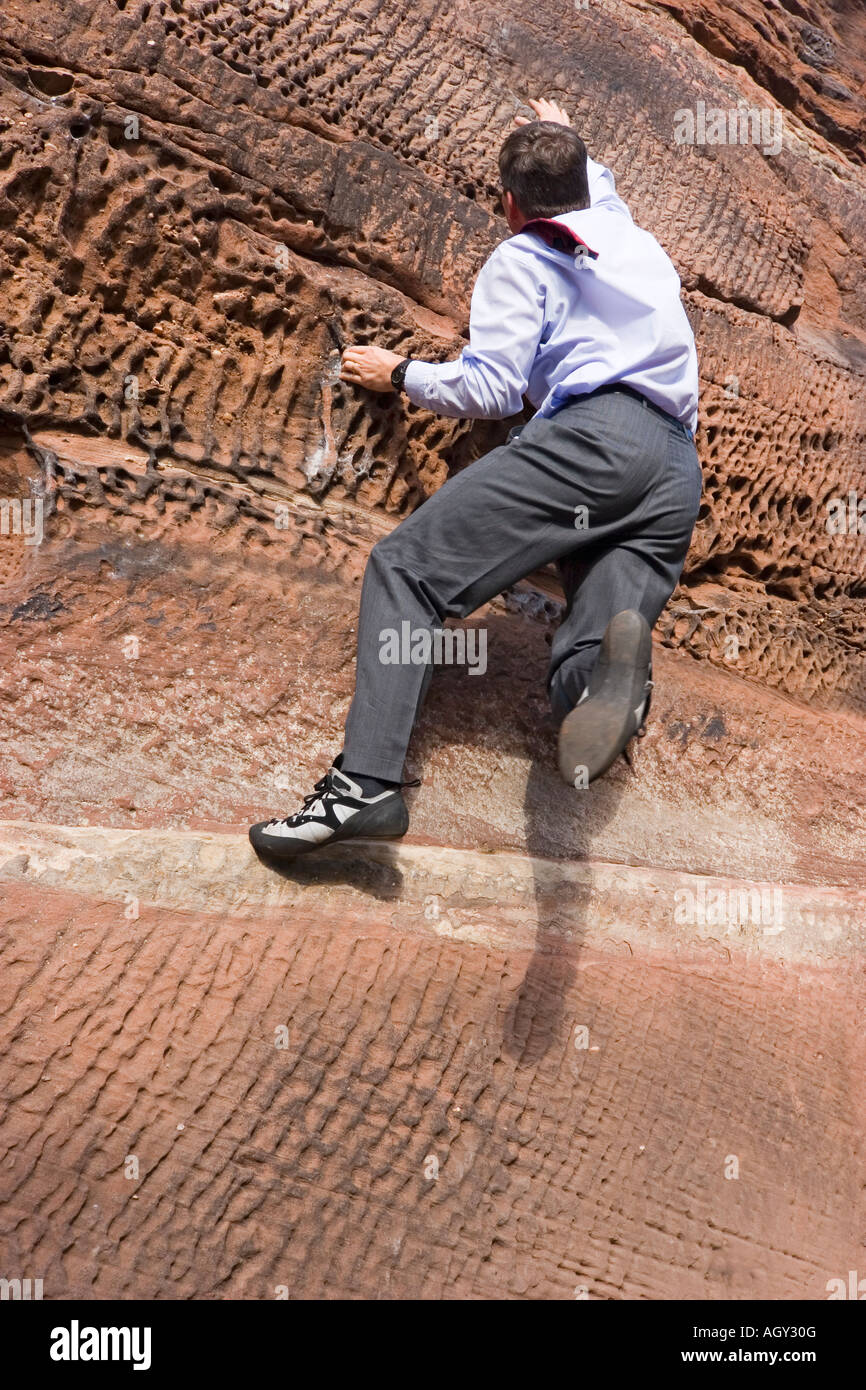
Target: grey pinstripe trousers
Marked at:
608, 488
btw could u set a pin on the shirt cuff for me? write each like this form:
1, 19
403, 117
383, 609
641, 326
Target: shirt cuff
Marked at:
419, 383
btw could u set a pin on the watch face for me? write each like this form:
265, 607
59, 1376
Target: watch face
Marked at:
399, 373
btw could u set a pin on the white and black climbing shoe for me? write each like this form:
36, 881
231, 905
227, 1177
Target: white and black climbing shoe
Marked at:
336, 809
614, 705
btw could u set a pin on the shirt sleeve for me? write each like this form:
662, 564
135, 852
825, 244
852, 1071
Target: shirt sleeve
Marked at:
488, 380
602, 188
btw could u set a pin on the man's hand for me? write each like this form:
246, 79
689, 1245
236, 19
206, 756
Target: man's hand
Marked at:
370, 367
545, 111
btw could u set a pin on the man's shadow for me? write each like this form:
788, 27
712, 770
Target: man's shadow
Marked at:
535, 1020
561, 823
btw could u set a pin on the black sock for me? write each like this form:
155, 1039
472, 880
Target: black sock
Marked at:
370, 786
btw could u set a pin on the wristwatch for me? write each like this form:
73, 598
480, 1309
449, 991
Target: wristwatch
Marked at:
398, 375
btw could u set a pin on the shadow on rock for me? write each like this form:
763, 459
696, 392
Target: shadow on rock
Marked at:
556, 813
367, 867
509, 714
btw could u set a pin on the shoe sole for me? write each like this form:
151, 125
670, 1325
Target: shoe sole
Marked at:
373, 823
596, 731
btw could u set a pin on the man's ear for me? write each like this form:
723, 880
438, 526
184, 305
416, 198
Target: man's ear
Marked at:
513, 216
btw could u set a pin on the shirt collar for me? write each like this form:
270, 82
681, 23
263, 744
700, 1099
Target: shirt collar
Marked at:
560, 237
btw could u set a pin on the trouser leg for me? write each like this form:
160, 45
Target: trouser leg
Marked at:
620, 578
640, 572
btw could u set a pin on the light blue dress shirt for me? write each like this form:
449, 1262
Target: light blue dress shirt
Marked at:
550, 326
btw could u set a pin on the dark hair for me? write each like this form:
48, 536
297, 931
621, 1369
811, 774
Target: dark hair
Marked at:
543, 166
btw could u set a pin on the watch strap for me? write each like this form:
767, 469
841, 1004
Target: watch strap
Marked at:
398, 376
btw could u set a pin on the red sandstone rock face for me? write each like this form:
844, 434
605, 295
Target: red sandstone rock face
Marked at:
178, 654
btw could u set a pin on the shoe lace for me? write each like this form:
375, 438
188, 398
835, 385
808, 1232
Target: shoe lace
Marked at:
324, 787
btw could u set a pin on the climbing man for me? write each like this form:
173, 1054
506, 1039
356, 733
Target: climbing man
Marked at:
579, 310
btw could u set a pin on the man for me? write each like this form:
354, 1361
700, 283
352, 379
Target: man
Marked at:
580, 311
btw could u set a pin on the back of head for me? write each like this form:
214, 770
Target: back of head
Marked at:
543, 166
